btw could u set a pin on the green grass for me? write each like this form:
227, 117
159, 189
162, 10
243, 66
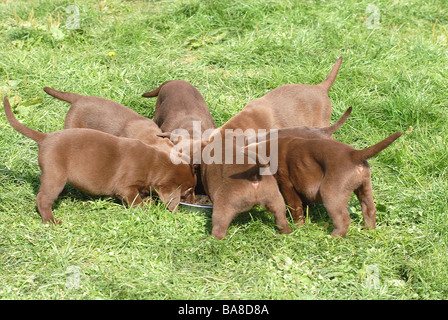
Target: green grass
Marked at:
233, 52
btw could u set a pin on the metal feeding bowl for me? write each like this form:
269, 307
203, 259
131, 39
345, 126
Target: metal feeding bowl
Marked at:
196, 207
192, 207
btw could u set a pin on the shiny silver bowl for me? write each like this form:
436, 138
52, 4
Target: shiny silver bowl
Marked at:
195, 207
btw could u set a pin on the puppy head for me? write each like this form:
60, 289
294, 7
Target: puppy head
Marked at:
178, 185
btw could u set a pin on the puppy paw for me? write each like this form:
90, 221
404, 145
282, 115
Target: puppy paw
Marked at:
299, 222
285, 230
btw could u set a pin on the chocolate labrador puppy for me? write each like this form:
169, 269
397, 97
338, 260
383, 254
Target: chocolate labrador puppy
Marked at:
110, 117
102, 164
324, 171
236, 188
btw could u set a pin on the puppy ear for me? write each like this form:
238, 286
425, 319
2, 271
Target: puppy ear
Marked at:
184, 158
188, 192
189, 195
204, 143
164, 135
194, 168
175, 138
170, 199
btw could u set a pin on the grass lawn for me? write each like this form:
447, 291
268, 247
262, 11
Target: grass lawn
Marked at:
394, 74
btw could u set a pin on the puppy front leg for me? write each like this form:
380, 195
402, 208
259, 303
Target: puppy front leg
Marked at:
131, 196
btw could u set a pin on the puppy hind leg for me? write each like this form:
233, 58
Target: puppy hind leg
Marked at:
294, 202
336, 205
340, 217
222, 216
49, 190
278, 209
365, 197
341, 221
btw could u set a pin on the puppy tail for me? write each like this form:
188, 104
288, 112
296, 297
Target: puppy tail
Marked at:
363, 155
254, 152
64, 96
328, 82
154, 93
335, 127
30, 133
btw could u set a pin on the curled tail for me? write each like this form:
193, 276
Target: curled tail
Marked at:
328, 82
335, 127
30, 133
155, 92
65, 96
363, 155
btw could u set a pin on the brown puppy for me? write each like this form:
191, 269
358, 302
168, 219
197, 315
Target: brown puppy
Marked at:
110, 117
325, 171
179, 104
103, 164
289, 105
235, 188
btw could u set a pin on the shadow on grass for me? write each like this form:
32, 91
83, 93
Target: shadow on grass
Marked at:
317, 214
260, 214
32, 180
